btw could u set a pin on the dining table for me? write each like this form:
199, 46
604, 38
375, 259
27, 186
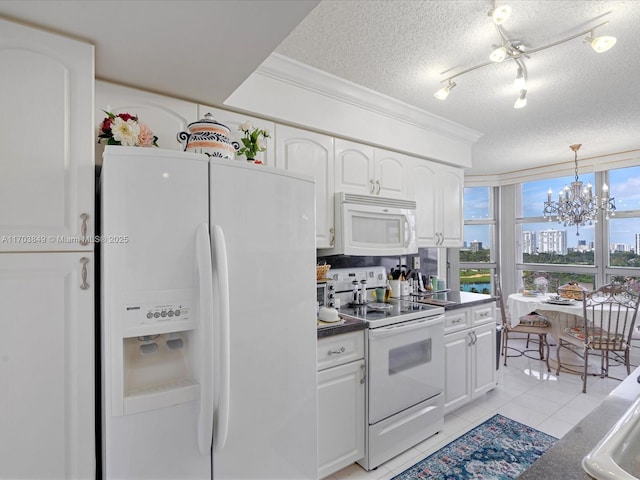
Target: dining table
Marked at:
563, 312
561, 315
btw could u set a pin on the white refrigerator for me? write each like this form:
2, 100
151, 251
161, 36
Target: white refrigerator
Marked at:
208, 344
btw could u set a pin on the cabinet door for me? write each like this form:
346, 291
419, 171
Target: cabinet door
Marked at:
423, 188
46, 366
390, 168
165, 116
311, 154
233, 121
354, 168
340, 417
484, 359
457, 353
450, 215
46, 155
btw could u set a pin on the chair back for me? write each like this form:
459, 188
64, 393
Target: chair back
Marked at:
503, 312
610, 314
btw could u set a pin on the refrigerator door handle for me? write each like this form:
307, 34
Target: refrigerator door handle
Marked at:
221, 272
205, 416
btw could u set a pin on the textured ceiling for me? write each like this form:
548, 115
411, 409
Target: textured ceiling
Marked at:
575, 95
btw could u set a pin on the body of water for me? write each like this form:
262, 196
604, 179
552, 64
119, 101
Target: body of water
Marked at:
477, 287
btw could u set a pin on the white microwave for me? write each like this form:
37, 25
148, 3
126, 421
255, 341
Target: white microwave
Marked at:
373, 226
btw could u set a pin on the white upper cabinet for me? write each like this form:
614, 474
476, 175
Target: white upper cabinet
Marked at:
165, 116
311, 154
233, 120
438, 192
354, 168
46, 153
366, 170
450, 210
390, 171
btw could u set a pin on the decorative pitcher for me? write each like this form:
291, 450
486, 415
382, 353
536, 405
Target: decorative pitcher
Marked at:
209, 137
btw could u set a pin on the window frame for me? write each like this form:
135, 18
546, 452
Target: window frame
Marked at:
454, 263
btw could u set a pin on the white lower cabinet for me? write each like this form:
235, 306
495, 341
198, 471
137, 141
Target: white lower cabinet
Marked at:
47, 366
341, 412
470, 350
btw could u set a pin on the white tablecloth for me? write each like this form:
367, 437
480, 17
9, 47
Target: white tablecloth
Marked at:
518, 305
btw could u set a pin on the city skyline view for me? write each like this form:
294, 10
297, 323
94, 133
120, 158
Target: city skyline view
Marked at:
624, 186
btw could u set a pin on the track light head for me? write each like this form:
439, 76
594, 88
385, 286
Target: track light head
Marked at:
601, 44
522, 100
443, 93
498, 55
500, 14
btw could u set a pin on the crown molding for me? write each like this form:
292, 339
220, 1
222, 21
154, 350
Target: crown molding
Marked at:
287, 70
598, 163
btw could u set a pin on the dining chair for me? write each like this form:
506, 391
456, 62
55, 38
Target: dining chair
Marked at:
609, 316
529, 324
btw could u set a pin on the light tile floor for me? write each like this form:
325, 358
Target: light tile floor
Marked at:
553, 404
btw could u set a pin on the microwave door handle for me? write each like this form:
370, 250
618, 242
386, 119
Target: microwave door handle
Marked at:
407, 232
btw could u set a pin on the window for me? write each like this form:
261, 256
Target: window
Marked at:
591, 254
624, 226
477, 262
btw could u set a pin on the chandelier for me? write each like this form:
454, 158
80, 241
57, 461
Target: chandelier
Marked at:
577, 204
510, 49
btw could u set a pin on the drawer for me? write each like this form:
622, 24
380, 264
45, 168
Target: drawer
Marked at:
340, 349
456, 320
483, 314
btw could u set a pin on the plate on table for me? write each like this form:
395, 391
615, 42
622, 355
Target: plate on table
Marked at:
562, 301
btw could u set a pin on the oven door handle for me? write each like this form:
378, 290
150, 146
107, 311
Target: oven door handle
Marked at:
405, 327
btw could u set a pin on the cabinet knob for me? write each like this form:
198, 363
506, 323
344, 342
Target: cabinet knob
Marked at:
379, 186
363, 370
372, 190
332, 241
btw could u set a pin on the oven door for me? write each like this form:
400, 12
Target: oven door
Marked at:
406, 365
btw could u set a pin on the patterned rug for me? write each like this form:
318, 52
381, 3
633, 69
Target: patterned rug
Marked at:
498, 449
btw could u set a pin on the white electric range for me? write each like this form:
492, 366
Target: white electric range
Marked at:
405, 365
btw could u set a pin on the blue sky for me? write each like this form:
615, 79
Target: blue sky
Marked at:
624, 186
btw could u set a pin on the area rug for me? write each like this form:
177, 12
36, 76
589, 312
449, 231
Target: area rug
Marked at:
498, 449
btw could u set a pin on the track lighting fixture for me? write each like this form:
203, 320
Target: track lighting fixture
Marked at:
509, 49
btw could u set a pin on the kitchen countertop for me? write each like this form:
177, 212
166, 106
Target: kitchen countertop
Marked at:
459, 299
349, 325
563, 461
